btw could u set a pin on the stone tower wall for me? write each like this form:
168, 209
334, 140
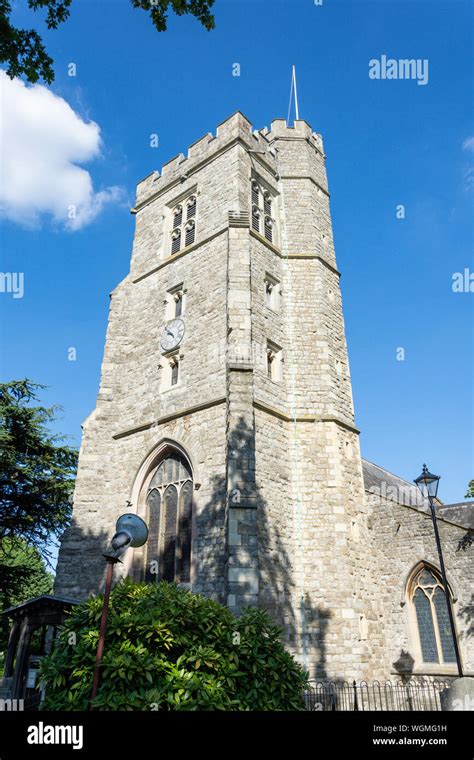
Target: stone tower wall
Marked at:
281, 519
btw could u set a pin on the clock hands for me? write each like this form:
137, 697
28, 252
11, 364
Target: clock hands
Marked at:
172, 334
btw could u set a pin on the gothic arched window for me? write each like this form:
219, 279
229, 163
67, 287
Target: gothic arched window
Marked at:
428, 598
263, 210
183, 224
169, 502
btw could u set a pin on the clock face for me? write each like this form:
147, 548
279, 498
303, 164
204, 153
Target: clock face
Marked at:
172, 335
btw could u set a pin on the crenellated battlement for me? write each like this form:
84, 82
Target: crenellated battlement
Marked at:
301, 130
236, 128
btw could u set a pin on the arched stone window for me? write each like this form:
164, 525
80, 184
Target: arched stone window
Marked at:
430, 613
169, 499
183, 224
263, 210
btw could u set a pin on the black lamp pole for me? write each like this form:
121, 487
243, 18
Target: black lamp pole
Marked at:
132, 531
428, 485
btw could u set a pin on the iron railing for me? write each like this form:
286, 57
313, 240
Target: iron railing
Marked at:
410, 695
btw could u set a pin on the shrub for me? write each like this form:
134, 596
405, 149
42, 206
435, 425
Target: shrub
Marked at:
169, 649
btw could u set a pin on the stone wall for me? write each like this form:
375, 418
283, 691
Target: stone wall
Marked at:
281, 519
402, 537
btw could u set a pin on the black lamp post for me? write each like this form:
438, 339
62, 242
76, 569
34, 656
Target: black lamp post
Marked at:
131, 531
428, 485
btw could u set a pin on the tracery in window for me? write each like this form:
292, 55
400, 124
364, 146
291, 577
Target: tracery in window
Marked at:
263, 216
169, 514
183, 224
427, 595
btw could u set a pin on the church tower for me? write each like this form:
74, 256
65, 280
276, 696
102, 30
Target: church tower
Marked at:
225, 410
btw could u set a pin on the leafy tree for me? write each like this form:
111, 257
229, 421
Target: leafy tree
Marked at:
169, 649
470, 490
36, 471
23, 49
23, 576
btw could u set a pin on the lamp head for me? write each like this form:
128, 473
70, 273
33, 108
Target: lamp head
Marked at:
135, 527
427, 483
131, 530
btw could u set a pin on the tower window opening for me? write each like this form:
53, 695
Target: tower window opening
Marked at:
255, 193
267, 203
191, 207
263, 220
274, 362
178, 300
268, 229
183, 230
176, 241
174, 364
190, 228
255, 219
175, 302
177, 216
272, 292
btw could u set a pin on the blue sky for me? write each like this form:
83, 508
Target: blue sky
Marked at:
387, 142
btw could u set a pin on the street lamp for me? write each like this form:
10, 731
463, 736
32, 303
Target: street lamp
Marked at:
131, 530
428, 485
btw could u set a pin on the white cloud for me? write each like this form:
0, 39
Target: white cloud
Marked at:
468, 143
469, 178
42, 142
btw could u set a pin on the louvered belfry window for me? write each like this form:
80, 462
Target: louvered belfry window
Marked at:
177, 216
255, 194
191, 207
169, 514
175, 241
190, 229
263, 220
268, 229
255, 219
184, 224
267, 203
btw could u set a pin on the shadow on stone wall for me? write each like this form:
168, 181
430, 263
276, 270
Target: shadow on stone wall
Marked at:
264, 546
80, 571
466, 614
81, 567
404, 665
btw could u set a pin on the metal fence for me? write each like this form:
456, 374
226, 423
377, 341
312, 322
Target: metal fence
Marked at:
410, 695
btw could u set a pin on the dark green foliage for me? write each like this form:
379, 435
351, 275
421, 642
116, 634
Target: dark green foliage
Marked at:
36, 472
23, 49
158, 10
470, 490
23, 576
169, 649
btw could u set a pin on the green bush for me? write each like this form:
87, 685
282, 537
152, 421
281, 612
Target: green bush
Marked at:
169, 649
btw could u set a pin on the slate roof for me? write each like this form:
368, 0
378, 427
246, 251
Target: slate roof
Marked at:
380, 481
386, 484
462, 513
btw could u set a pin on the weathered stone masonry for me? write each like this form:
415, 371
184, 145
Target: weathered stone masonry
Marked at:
280, 514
